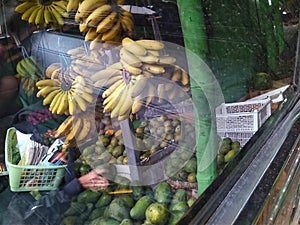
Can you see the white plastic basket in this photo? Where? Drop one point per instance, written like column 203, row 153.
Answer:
column 241, row 120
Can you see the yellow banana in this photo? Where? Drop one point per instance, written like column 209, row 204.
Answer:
column 131, row 69
column 126, row 13
column 56, row 15
column 46, row 90
column 139, row 86
column 24, row 6
column 25, row 16
column 83, row 26
column 122, row 101
column 72, row 5
column 57, row 103
column 133, row 46
column 166, row 60
column 64, row 127
column 77, row 125
column 176, row 76
column 111, row 101
column 64, row 105
column 98, row 15
column 148, row 59
column 50, row 97
column 39, row 19
column 33, row 15
column 48, row 15
column 72, row 104
column 153, row 52
column 130, row 58
column 48, row 82
column 113, row 33
column 51, row 68
column 125, row 109
column 107, row 23
column 61, row 8
column 155, row 69
column 137, row 105
column 112, row 88
column 151, row 44
column 91, row 34
column 86, row 129
column 127, row 24
column 104, row 74
column 184, row 77
column 79, row 100
column 108, row 82
column 86, row 7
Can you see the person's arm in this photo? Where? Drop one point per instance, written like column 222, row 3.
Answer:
column 48, row 209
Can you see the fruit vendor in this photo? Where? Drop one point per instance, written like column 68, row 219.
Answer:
column 25, row 208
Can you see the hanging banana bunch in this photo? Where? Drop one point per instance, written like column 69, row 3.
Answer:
column 130, row 82
column 64, row 93
column 76, row 128
column 102, row 20
column 44, row 13
column 29, row 71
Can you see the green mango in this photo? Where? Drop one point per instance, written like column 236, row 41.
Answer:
column 118, row 210
column 97, row 212
column 162, row 192
column 139, row 209
column 104, row 221
column 75, row 208
column 88, row 196
column 126, row 222
column 104, row 200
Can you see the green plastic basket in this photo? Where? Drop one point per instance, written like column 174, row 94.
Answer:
column 29, row 177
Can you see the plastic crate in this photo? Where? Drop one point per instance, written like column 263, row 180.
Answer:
column 242, row 116
column 241, row 120
column 30, row 177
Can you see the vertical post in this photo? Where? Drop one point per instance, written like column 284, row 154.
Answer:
column 130, row 147
column 202, row 89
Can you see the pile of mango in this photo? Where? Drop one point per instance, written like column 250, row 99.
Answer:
column 144, row 205
column 228, row 149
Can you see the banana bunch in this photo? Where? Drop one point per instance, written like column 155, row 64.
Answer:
column 85, row 64
column 29, row 67
column 103, row 21
column 63, row 93
column 76, row 128
column 43, row 13
column 28, row 85
column 29, row 71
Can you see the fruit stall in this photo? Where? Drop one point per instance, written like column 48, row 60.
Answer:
column 193, row 111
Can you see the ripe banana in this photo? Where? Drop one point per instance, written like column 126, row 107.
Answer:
column 63, row 106
column 113, row 33
column 86, row 129
column 72, row 5
column 24, row 6
column 112, row 88
column 108, row 82
column 57, row 16
column 47, row 82
column 151, row 44
column 168, row 60
column 25, row 16
column 137, row 105
column 91, row 34
column 107, row 23
column 131, row 69
column 184, row 78
column 105, row 74
column 139, row 86
column 48, row 15
column 79, row 100
column 72, row 104
column 64, row 127
column 155, row 69
column 130, row 58
column 51, row 68
column 133, row 46
column 33, row 15
column 98, row 15
column 45, row 91
column 86, row 7
column 111, row 101
column 55, row 101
